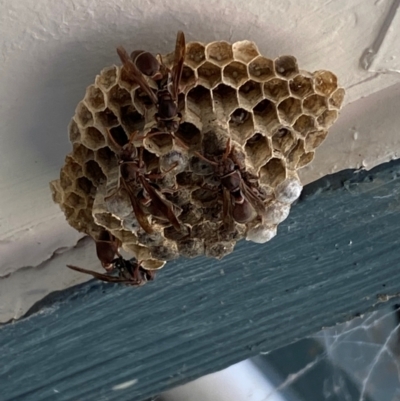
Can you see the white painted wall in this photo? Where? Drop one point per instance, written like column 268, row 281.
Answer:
column 51, row 50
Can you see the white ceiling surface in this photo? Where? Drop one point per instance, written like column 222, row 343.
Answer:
column 51, row 51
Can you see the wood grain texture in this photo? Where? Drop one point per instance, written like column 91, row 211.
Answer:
column 337, row 251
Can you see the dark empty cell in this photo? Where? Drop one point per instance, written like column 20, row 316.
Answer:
column 286, row 66
column 131, row 119
column 327, row 118
column 245, row 51
column 119, row 135
column 209, row 75
column 94, row 172
column 73, row 130
column 75, row 201
column 199, row 95
column 258, row 150
column 220, row 52
column 235, row 73
column 283, row 140
column 84, row 184
column 315, row 104
column 93, row 138
column 95, row 98
column 83, row 115
column 273, row 172
column 304, row 124
column 225, row 98
column 314, row 139
column 119, row 96
column 195, row 54
column 188, row 78
column 325, row 82
column 276, row 89
column 289, row 109
column 337, row 97
column 107, row 118
column 261, row 69
column 81, row 153
column 107, row 78
column 189, row 134
column 106, row 158
column 251, row 91
column 301, row 86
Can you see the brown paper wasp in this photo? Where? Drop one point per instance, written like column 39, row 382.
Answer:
column 241, row 200
column 130, row 272
column 135, row 179
column 106, row 248
column 165, row 98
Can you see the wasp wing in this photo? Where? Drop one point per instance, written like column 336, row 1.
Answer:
column 180, row 51
column 135, row 74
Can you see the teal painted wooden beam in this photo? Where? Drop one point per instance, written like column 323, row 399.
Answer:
column 333, row 258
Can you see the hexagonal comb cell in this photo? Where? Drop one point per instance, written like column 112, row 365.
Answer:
column 131, row 119
column 188, row 78
column 75, row 201
column 83, row 115
column 276, row 89
column 235, row 74
column 304, row 124
column 286, row 66
column 95, row 98
column 266, row 116
column 199, row 99
column 189, row 134
column 219, row 53
column 241, row 125
column 209, row 75
column 314, row 104
column 119, row 97
column 261, row 69
column 314, row 139
column 250, row 93
column 72, row 168
column 83, row 184
column 74, row 133
column 107, row 78
column 245, row 51
column 289, row 109
column 93, row 172
column 106, row 159
column 119, row 136
column 159, row 144
column 283, row 140
column 325, row 82
column 195, row 54
column 327, row 118
column 258, row 150
column 336, row 98
column 107, row 118
column 225, row 98
column 93, row 138
column 301, row 86
column 81, row 153
column 273, row 172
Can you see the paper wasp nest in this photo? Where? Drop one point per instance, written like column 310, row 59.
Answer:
column 275, row 115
